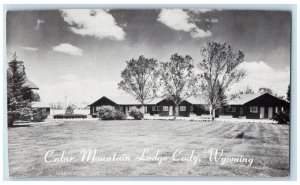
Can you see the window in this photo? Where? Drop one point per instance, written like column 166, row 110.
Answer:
column 154, row 108
column 192, row 108
column 253, row 109
column 182, row 108
column 165, row 108
column 231, row 109
column 276, row 109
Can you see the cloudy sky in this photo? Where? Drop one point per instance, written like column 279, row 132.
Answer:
column 80, row 53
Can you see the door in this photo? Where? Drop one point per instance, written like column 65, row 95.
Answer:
column 262, row 112
column 241, row 111
column 270, row 112
column 171, row 111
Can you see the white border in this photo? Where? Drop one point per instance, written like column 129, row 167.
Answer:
column 157, row 2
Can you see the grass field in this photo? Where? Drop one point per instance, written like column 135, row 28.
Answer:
column 267, row 144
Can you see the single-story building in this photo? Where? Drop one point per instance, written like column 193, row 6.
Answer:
column 158, row 106
column 122, row 103
column 41, row 106
column 254, row 106
column 190, row 106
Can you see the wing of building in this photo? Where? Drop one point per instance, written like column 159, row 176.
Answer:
column 162, row 107
column 254, row 106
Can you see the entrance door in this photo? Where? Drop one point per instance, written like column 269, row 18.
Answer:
column 262, row 112
column 270, row 112
column 171, row 111
column 241, row 111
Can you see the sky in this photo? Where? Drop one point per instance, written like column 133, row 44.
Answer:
column 79, row 54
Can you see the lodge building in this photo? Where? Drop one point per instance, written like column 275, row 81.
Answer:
column 159, row 107
column 249, row 106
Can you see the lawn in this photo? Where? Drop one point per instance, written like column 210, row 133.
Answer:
column 266, row 144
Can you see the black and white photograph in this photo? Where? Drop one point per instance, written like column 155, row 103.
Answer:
column 105, row 92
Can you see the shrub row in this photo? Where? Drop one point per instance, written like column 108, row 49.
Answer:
column 69, row 116
column 110, row 113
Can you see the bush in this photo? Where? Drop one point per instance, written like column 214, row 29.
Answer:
column 39, row 115
column 136, row 113
column 69, row 110
column 283, row 117
column 120, row 115
column 69, row 116
column 110, row 113
column 107, row 113
column 13, row 116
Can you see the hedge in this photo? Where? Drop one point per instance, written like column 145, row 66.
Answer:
column 69, row 116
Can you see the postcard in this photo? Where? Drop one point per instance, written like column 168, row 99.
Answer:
column 148, row 92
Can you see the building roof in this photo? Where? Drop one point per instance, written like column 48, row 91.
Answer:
column 129, row 100
column 30, row 85
column 244, row 98
column 39, row 105
column 196, row 100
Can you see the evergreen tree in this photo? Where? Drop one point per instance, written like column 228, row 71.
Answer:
column 17, row 107
column 288, row 93
column 69, row 110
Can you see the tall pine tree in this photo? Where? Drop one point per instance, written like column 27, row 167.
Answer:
column 18, row 108
column 288, row 93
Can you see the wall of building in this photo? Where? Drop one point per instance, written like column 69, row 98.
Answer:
column 200, row 110
column 171, row 105
column 99, row 103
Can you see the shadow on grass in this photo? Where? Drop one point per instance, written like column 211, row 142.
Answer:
column 16, row 126
column 244, row 137
column 248, row 137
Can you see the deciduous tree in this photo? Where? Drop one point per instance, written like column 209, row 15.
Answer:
column 140, row 79
column 265, row 90
column 220, row 69
column 178, row 79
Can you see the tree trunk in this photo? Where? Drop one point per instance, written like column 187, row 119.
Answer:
column 213, row 113
column 176, row 111
column 210, row 112
column 142, row 108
